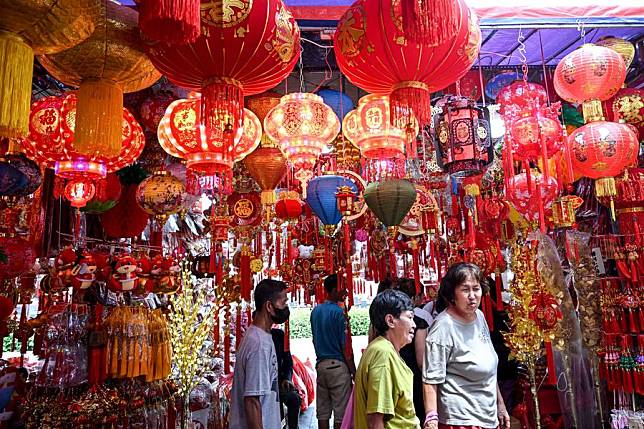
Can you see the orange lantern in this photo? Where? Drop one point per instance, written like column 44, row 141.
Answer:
column 267, row 166
column 590, row 75
column 302, row 125
column 369, row 128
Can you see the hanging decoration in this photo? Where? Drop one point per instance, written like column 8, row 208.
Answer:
column 60, row 25
column 19, row 176
column 462, row 136
column 627, row 106
column 207, row 152
column 104, row 66
column 369, row 128
column 531, row 194
column 302, row 125
column 175, row 22
column 590, row 75
column 372, row 51
column 429, row 22
column 160, row 195
column 267, row 166
column 321, row 197
column 469, row 85
column 244, row 49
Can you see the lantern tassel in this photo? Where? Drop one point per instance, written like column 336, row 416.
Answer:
column 222, row 105
column 175, row 22
column 605, row 187
column 16, row 71
column 244, row 262
column 99, row 118
column 429, row 22
column 410, row 102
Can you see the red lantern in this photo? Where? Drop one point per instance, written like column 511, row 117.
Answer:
column 126, row 219
column 536, row 136
column 545, row 311
column 20, row 256
column 589, row 75
column 469, row 85
column 247, row 49
column 372, row 51
column 532, row 194
column 288, row 206
column 521, row 98
column 79, row 192
column 153, row 109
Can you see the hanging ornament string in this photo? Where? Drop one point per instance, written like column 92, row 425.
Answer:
column 543, row 68
column 522, row 54
column 301, row 67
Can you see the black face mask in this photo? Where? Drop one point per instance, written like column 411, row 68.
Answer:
column 281, row 315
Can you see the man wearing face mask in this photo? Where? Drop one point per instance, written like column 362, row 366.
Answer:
column 255, row 393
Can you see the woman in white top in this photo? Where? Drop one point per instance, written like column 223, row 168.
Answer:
column 459, row 371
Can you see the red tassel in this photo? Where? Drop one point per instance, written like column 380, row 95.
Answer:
column 172, row 21
column 227, row 354
column 287, row 335
column 487, row 312
column 409, row 103
column 640, row 313
column 278, row 248
column 499, row 291
column 552, row 372
column 429, row 22
column 238, row 323
column 416, row 263
column 542, row 215
column 632, row 324
column 245, row 276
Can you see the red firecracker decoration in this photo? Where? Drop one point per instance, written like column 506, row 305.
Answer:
column 372, row 51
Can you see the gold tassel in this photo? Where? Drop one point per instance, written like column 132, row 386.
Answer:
column 99, row 118
column 16, row 70
column 592, row 111
column 605, row 187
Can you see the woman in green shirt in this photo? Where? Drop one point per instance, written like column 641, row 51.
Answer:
column 383, row 395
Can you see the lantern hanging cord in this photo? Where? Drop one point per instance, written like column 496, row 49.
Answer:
column 301, row 67
column 316, row 43
column 522, row 54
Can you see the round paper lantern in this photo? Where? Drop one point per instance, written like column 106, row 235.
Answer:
column 589, row 75
column 35, row 27
column 340, row 102
column 521, row 98
column 603, row 149
column 19, row 176
column 390, row 200
column 469, row 84
column 527, row 195
column 126, row 219
column 267, row 166
column 623, row 47
column 320, row 196
column 302, row 125
column 182, row 134
column 372, row 51
column 160, row 195
column 52, row 140
column 104, row 66
column 627, row 106
column 245, row 48
column 536, row 137
column 369, row 128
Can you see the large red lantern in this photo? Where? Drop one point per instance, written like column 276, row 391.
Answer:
column 589, row 75
column 245, row 48
column 182, row 134
column 372, row 51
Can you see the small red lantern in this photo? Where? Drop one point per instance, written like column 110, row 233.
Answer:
column 536, row 136
column 468, row 86
column 79, row 192
column 627, row 106
column 153, row 109
column 590, row 75
column 288, row 206
column 545, row 311
column 345, row 197
column 521, row 98
column 462, row 136
column 532, row 193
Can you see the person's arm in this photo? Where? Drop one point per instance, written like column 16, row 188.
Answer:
column 504, row 417
column 419, row 345
column 430, row 398
column 253, row 409
column 376, row 421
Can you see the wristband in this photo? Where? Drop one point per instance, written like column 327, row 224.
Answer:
column 432, row 416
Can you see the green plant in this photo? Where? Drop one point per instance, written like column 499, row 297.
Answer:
column 300, row 322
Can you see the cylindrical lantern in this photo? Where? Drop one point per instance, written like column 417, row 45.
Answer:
column 462, row 136
column 104, row 66
column 35, row 27
column 589, row 75
column 373, row 52
column 369, row 128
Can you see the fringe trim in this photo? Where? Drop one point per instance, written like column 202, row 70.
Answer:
column 16, row 70
column 430, row 22
column 99, row 119
column 175, row 22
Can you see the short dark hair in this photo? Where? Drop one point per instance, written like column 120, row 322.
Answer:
column 331, row 283
column 267, row 290
column 385, row 284
column 456, row 275
column 390, row 301
column 407, row 285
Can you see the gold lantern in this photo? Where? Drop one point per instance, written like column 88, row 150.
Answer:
column 110, row 62
column 34, row 27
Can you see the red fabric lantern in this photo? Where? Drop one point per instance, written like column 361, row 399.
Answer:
column 51, row 140
column 182, row 134
column 153, row 109
column 521, row 98
column 372, row 51
column 470, row 85
column 532, row 194
column 79, row 192
column 603, row 149
column 536, row 137
column 171, row 21
column 628, row 106
column 244, row 49
column 288, row 208
column 589, row 75
column 126, row 219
